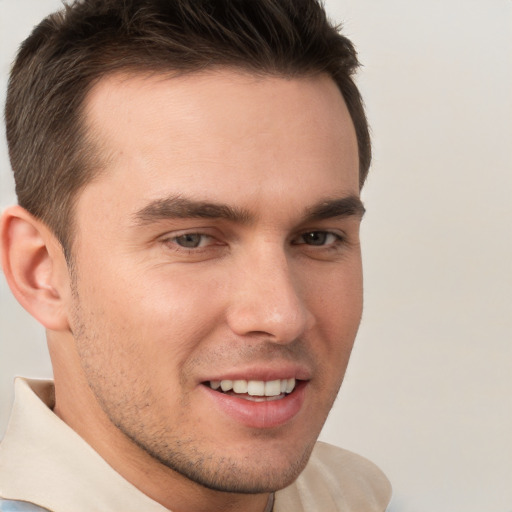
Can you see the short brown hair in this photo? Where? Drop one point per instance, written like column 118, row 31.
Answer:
column 51, row 153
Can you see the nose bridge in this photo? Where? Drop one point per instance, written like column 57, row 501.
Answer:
column 268, row 298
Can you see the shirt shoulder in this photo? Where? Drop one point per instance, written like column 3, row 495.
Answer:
column 336, row 480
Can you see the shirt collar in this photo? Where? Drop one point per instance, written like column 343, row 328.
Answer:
column 44, row 461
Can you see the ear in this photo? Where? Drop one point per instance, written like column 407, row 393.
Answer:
column 35, row 267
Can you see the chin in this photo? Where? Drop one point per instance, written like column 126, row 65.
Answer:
column 264, row 470
column 231, row 477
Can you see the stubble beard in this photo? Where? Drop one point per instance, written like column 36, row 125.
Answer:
column 190, row 458
column 220, row 473
column 184, row 456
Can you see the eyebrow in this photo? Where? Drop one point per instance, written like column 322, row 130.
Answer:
column 338, row 207
column 178, row 207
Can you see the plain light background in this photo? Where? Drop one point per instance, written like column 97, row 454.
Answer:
column 428, row 391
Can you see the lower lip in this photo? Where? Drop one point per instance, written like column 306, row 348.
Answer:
column 260, row 415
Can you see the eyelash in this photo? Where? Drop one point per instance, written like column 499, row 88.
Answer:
column 172, row 243
column 299, row 240
column 338, row 239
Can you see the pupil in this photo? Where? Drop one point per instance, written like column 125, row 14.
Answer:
column 315, row 238
column 189, row 240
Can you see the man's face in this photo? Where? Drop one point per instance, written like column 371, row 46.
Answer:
column 220, row 245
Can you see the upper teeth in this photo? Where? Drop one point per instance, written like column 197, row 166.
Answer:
column 255, row 387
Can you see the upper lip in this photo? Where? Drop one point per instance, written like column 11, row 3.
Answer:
column 267, row 372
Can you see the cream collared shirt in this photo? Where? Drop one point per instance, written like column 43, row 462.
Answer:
column 45, row 462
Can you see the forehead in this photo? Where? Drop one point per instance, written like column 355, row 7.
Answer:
column 220, row 132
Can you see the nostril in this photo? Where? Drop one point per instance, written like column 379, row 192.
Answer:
column 279, row 324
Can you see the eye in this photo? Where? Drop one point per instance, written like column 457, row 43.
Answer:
column 318, row 238
column 191, row 240
column 192, row 246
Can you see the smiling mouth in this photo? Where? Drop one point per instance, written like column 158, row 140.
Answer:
column 254, row 390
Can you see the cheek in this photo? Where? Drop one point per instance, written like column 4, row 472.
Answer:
column 149, row 326
column 338, row 308
column 337, row 297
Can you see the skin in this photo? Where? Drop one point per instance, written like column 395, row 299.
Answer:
column 142, row 322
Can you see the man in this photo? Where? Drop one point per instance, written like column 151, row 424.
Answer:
column 188, row 176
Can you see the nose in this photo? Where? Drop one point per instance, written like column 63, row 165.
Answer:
column 268, row 299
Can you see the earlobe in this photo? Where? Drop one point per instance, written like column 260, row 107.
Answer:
column 35, row 268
